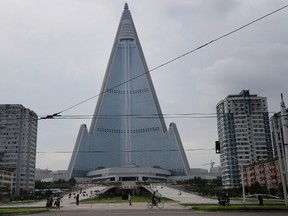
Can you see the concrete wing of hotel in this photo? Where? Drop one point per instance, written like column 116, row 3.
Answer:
column 128, row 127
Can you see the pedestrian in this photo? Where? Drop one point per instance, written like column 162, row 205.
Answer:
column 57, row 202
column 48, row 202
column 77, row 199
column 129, row 199
column 260, row 199
column 227, row 198
column 153, row 198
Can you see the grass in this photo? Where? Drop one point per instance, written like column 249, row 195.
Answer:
column 116, row 199
column 21, row 210
column 240, row 208
column 16, row 202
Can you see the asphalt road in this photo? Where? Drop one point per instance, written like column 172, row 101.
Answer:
column 150, row 212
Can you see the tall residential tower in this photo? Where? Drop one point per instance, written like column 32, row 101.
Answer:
column 128, row 129
column 244, row 134
column 18, row 139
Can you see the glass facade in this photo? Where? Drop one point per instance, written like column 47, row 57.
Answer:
column 128, row 126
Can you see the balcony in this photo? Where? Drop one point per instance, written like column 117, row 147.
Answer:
column 261, row 175
column 263, row 182
column 271, row 167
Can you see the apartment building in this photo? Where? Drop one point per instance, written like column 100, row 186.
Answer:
column 18, row 136
column 244, row 134
column 267, row 173
column 6, row 182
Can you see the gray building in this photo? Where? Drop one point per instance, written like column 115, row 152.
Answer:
column 244, row 134
column 18, row 136
column 128, row 129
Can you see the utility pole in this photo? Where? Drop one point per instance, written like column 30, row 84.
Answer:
column 218, row 151
column 284, row 173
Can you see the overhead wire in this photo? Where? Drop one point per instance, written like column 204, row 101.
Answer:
column 170, row 61
column 153, row 116
column 109, row 151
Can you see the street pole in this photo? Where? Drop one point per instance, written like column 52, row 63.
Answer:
column 217, row 147
column 242, row 182
column 243, row 186
column 284, row 120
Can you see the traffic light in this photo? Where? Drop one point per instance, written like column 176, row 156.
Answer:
column 217, row 147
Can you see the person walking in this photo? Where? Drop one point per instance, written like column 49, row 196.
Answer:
column 129, row 199
column 57, row 202
column 153, row 198
column 260, row 199
column 77, row 199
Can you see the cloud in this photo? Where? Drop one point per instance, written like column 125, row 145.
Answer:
column 54, row 55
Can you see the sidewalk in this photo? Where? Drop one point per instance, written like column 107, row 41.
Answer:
column 122, row 206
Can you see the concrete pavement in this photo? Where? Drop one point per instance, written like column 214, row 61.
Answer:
column 179, row 197
column 182, row 196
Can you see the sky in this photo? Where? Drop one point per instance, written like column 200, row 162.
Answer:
column 54, row 53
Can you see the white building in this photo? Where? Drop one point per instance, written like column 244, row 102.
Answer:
column 18, row 136
column 244, row 134
column 46, row 175
column 6, row 182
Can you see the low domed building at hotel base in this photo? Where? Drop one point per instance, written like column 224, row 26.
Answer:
column 128, row 139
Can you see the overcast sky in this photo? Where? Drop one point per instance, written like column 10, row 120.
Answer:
column 54, row 53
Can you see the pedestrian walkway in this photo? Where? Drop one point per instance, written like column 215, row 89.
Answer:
column 178, row 198
column 182, row 196
column 123, row 206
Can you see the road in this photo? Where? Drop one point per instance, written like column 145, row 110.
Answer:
column 69, row 207
column 150, row 212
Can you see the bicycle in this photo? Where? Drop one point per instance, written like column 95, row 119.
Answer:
column 157, row 203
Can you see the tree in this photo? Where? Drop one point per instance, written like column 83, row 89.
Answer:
column 256, row 188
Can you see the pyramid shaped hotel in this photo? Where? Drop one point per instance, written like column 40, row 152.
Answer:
column 128, row 139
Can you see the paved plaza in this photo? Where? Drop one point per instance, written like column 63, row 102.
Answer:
column 177, row 198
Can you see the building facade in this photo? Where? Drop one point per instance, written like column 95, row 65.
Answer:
column 128, row 127
column 18, row 138
column 267, row 173
column 244, row 134
column 45, row 175
column 6, row 182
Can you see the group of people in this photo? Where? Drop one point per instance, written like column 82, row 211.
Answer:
column 155, row 198
column 223, row 199
column 76, row 196
column 53, row 201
